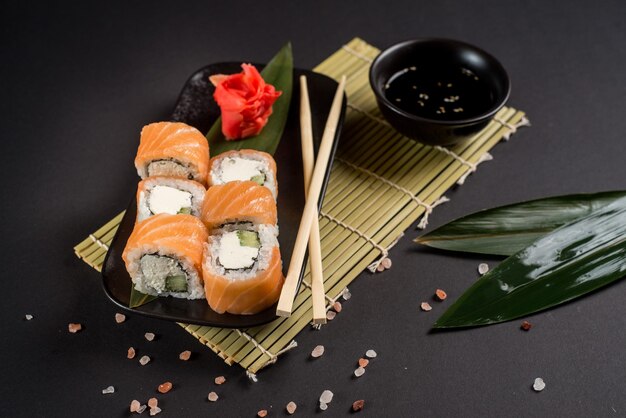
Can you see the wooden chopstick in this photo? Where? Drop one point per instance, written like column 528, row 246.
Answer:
column 315, row 250
column 285, row 303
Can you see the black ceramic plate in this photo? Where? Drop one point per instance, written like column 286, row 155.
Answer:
column 196, row 107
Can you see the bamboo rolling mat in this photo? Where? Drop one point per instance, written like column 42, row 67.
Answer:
column 381, row 183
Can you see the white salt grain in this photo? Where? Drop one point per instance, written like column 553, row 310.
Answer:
column 539, row 385
column 141, row 409
column 317, row 351
column 359, row 372
column 326, row 397
column 323, row 406
column 291, row 407
column 154, row 411
column 213, row 397
column 28, row 317
column 483, row 268
column 370, row 354
column 108, row 390
column 346, row 294
column 149, row 336
column 144, row 360
column 425, row 306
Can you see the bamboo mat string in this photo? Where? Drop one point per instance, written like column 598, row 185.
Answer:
column 369, row 115
column 472, row 167
column 512, row 127
column 357, row 54
column 273, row 357
column 308, row 286
column 384, row 252
column 428, row 209
column 98, row 242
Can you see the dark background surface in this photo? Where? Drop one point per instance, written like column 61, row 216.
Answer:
column 78, row 82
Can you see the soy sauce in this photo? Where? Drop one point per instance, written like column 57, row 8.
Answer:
column 436, row 93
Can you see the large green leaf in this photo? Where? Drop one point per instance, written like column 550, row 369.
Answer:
column 279, row 73
column 508, row 229
column 577, row 258
column 137, row 298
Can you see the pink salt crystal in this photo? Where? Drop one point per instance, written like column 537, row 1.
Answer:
column 360, row 371
column 74, row 328
column 185, row 355
column 317, row 351
column 131, row 353
column 291, row 407
column 144, row 360
column 426, row 306
column 358, row 405
column 119, row 318
column 213, row 397
column 220, row 380
column 149, row 336
column 330, row 315
column 337, row 306
column 386, row 263
column 152, row 402
column 380, row 267
column 134, row 405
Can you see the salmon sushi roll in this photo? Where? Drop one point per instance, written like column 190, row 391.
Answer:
column 172, row 149
column 242, row 269
column 168, row 195
column 241, row 165
column 238, row 202
column 163, row 256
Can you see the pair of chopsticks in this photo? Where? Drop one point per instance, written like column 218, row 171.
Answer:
column 309, row 228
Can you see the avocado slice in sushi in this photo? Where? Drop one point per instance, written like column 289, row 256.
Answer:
column 248, row 239
column 176, row 283
column 186, row 211
column 259, row 179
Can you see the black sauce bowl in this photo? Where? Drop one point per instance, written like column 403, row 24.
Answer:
column 439, row 54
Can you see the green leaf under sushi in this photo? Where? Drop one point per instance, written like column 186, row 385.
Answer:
column 506, row 230
column 137, row 298
column 279, row 73
column 575, row 259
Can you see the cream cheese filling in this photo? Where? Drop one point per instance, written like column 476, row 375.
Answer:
column 232, row 255
column 165, row 199
column 234, row 169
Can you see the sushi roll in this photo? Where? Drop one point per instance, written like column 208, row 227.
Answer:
column 245, row 164
column 163, row 256
column 238, row 202
column 242, row 269
column 172, row 149
column 168, row 195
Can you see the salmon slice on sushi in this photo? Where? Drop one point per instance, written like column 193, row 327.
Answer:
column 172, row 149
column 163, row 256
column 238, row 202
